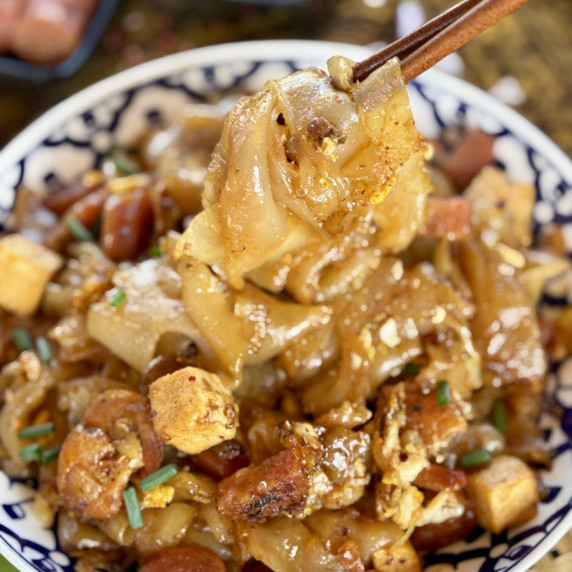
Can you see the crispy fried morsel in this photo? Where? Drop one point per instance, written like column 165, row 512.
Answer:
column 184, row 559
column 91, row 474
column 280, row 483
column 118, row 409
column 114, row 439
column 436, row 424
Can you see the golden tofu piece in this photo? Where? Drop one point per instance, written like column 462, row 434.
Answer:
column 504, row 494
column 26, row 269
column 193, row 410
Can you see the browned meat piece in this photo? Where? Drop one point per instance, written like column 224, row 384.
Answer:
column 280, row 484
column 436, row 424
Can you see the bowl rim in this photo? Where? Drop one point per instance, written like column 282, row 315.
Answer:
column 265, row 50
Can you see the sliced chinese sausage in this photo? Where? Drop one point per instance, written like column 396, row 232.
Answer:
column 127, row 224
column 433, row 536
column 184, row 559
column 222, row 460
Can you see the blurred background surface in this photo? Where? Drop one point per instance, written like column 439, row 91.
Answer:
column 524, row 59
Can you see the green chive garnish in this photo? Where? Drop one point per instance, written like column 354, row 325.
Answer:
column 124, row 164
column 22, row 339
column 78, row 229
column 443, row 393
column 31, row 452
column 411, row 369
column 132, row 507
column 475, row 458
column 159, row 477
column 50, row 455
column 155, row 251
column 44, row 350
column 118, row 298
column 33, row 431
column 499, row 416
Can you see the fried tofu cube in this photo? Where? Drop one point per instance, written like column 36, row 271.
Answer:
column 27, row 267
column 193, row 410
column 504, row 494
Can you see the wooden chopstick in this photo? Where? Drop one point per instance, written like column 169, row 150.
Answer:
column 439, row 37
column 408, row 44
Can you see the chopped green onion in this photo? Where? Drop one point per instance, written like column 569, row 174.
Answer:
column 96, row 228
column 159, row 477
column 499, row 416
column 132, row 507
column 124, row 164
column 44, row 350
column 39, row 430
column 443, row 393
column 411, row 369
column 118, row 298
column 155, row 251
column 22, row 339
column 31, row 452
column 475, row 458
column 50, row 455
column 78, row 229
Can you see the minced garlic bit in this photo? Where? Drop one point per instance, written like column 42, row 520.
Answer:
column 388, row 333
column 439, row 315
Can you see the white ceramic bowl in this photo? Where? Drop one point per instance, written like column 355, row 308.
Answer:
column 73, row 136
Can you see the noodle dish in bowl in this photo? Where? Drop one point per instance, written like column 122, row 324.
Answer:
column 255, row 316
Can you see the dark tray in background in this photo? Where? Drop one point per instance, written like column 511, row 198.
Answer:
column 12, row 66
